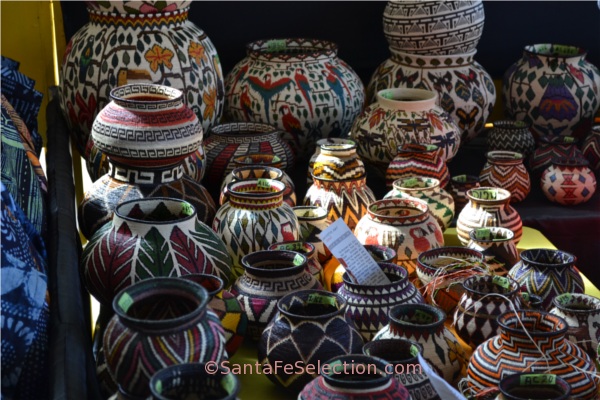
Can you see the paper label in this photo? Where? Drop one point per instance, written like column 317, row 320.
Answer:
column 315, row 298
column 460, row 178
column 352, row 255
column 482, row 233
column 485, row 194
column 525, row 296
column 187, row 209
column 263, row 183
column 568, row 139
column 276, row 45
column 537, row 379
column 423, row 317
column 158, row 386
column 414, row 350
column 520, row 124
column 501, row 281
column 298, row 259
column 410, row 183
column 431, row 147
column 125, row 301
column 386, row 95
column 296, row 246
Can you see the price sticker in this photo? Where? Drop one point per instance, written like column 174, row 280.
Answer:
column 520, row 124
column 298, row 259
column 568, row 139
column 158, row 386
column 431, row 147
column 315, row 298
column 423, row 317
column 228, row 383
column 125, row 301
column 501, row 281
column 565, row 298
column 410, row 182
column 486, row 194
column 276, row 45
column 386, row 94
column 187, row 209
column 414, row 350
column 483, row 234
column 460, row 178
column 525, row 296
column 537, row 379
column 264, row 183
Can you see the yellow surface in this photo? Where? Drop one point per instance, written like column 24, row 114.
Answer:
column 258, row 386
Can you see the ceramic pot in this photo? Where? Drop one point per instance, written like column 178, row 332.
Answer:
column 400, row 116
column 441, row 204
column 533, row 386
column 424, row 324
column 227, row 307
column 268, row 276
column 497, row 246
column 464, row 88
column 329, row 141
column 255, row 172
column 310, row 328
column 487, row 207
column 441, row 271
column 159, row 322
column 404, row 225
column 369, row 306
column 254, row 218
column 458, row 188
column 313, row 266
column 547, row 273
column 151, row 238
column 354, row 377
column 313, row 220
column 145, row 158
column 125, row 43
column 591, row 148
column 413, row 159
column 511, row 135
column 505, row 169
column 402, row 356
column 553, row 88
column 347, row 199
column 298, row 85
column 191, row 380
column 532, row 341
column 431, row 27
column 226, row 141
column 582, row 313
column 484, row 299
column 551, row 148
column 338, row 161
column 568, row 181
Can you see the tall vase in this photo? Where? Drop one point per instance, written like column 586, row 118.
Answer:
column 404, row 225
column 401, row 116
column 424, row 324
column 464, row 88
column 124, row 43
column 511, row 135
column 440, row 203
column 497, row 246
column 338, row 161
column 534, row 342
column 553, row 88
column 306, row 320
column 547, row 273
column 145, row 157
column 505, row 169
column 568, row 181
column 354, row 377
column 313, row 220
column 150, row 238
column 254, row 218
column 487, row 207
column 159, row 322
column 370, row 305
column 402, row 355
column 414, row 159
column 299, row 85
column 268, row 276
column 346, row 199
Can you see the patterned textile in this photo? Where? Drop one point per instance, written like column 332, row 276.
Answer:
column 23, row 305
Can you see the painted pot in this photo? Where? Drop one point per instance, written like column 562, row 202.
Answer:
column 547, row 273
column 354, row 377
column 458, row 188
column 404, row 225
column 517, row 348
column 414, row 159
column 505, row 169
column 254, row 218
column 255, row 172
column 511, row 135
column 568, row 181
column 347, row 199
column 369, row 305
column 313, row 266
column 306, row 320
column 487, row 207
column 313, row 220
column 484, row 299
column 400, row 116
column 424, row 324
column 268, row 276
column 497, row 246
column 298, row 85
column 591, row 148
column 338, row 161
column 151, row 238
column 553, row 88
column 465, row 90
column 127, row 43
column 431, row 27
column 157, row 323
column 441, row 204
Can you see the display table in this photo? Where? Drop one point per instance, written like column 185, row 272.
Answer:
column 255, row 385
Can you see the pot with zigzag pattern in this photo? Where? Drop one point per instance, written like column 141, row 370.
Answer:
column 532, row 341
column 338, row 161
column 505, row 169
column 157, row 323
column 415, row 159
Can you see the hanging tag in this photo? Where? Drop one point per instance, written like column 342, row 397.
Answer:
column 125, row 301
column 315, row 298
column 276, row 45
column 537, row 379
